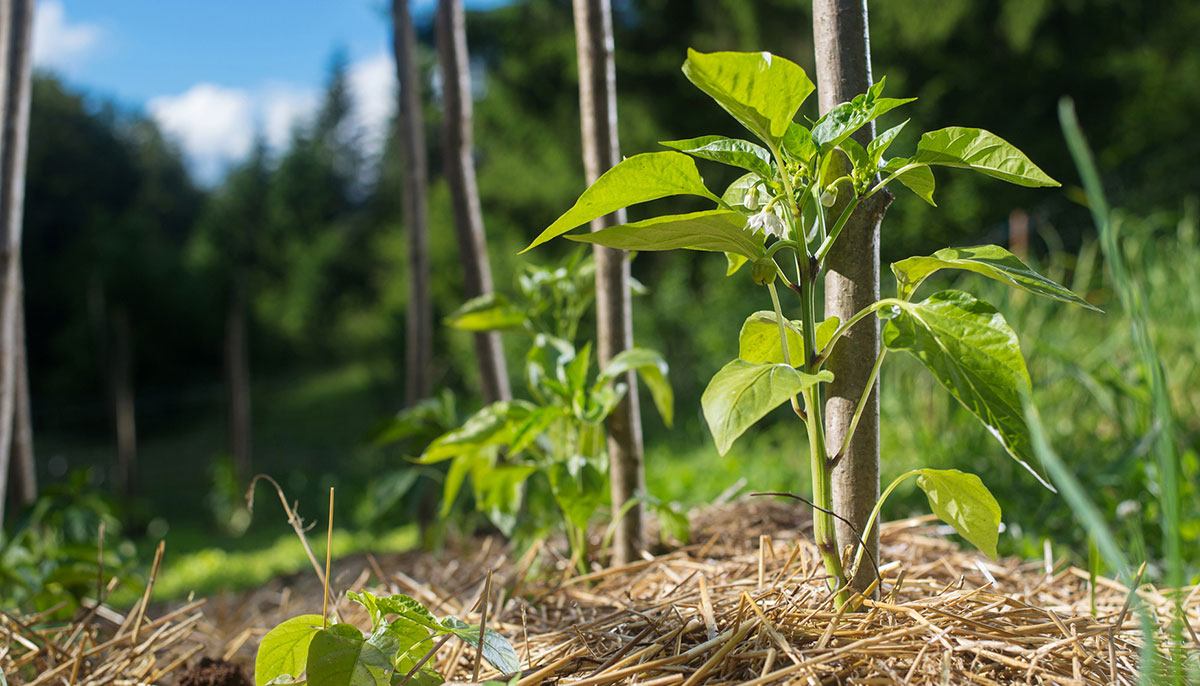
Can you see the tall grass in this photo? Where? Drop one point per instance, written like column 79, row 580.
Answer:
column 1162, row 438
column 1101, row 406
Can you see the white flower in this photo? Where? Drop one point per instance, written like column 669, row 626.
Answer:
column 767, row 222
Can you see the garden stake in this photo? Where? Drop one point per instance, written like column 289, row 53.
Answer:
column 328, row 555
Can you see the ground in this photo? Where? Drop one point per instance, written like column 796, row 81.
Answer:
column 746, row 602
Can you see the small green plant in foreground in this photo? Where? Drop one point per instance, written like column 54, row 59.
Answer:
column 787, row 204
column 395, row 651
column 533, row 463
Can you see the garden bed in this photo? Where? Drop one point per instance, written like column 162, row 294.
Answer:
column 747, row 603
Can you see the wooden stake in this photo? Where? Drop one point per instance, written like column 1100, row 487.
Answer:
column 328, row 555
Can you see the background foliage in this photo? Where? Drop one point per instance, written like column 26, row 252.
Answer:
column 114, row 220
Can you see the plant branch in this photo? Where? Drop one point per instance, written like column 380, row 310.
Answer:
column 846, row 326
column 831, row 513
column 862, row 404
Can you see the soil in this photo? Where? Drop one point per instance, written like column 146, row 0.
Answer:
column 214, row 672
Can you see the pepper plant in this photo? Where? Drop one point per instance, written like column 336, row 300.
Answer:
column 779, row 218
column 537, row 462
column 404, row 634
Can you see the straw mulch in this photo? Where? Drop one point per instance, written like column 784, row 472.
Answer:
column 100, row 646
column 752, row 607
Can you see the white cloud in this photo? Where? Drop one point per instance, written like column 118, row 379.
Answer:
column 280, row 108
column 216, row 125
column 58, row 44
column 213, row 124
column 373, row 89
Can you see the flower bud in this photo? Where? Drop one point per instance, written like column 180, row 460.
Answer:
column 829, row 196
column 763, row 271
column 750, row 202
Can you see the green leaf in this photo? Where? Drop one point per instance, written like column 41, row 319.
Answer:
column 488, row 312
column 284, row 650
column 762, row 91
column 535, row 425
column 424, row 676
column 341, row 656
column 983, row 151
column 759, row 342
column 673, row 522
column 883, row 141
column 842, row 121
column 652, row 369
column 732, row 151
column 916, row 178
column 991, row 261
column 634, row 180
column 579, row 488
column 574, row 374
column 971, row 350
column 409, row 642
column 496, row 649
column 499, row 490
column 545, row 357
column 742, row 393
column 759, row 339
column 798, row 142
column 492, row 425
column 460, row 467
column 962, row 501
column 408, row 608
column 735, row 263
column 712, row 230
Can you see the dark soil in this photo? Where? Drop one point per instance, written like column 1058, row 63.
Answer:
column 210, row 672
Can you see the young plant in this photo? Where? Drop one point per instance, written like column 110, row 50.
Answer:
column 783, row 206
column 544, row 458
column 396, row 651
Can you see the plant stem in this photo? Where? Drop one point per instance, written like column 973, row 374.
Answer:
column 862, row 403
column 824, row 532
column 783, row 343
column 866, row 532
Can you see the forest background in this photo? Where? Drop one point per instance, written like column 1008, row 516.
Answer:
column 131, row 265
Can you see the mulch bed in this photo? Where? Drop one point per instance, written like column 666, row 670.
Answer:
column 738, row 606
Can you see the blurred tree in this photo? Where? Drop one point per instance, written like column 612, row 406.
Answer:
column 106, row 233
column 459, row 154
column 614, row 310
column 418, row 368
column 16, row 31
column 229, row 244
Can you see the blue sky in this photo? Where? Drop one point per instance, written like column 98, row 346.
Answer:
column 215, row 72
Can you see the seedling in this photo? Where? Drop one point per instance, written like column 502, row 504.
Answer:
column 533, row 463
column 403, row 635
column 786, row 205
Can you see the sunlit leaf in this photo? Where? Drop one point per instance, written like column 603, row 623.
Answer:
column 762, row 91
column 742, row 393
column 284, row 649
column 341, row 656
column 652, row 369
column 991, row 261
column 976, row 356
column 983, row 151
column 634, row 180
column 712, row 230
column 496, row 648
column 488, row 312
column 842, row 121
column 962, row 501
column 732, row 151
